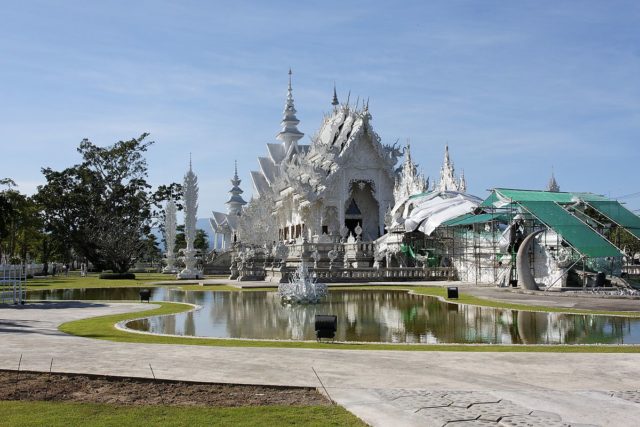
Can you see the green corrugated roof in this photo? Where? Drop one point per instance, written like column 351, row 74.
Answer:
column 455, row 220
column 618, row 214
column 583, row 238
column 538, row 196
column 535, row 196
column 468, row 219
column 489, row 201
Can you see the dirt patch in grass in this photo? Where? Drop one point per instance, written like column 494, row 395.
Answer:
column 140, row 391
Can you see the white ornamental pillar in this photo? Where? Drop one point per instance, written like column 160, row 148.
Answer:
column 190, row 214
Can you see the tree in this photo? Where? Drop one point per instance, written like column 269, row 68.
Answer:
column 20, row 225
column 150, row 250
column 201, row 241
column 102, row 208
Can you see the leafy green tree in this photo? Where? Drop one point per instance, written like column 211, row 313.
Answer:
column 150, row 250
column 102, row 208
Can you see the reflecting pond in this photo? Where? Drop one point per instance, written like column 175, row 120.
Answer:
column 363, row 315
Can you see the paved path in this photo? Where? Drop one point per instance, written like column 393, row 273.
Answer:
column 385, row 388
column 555, row 299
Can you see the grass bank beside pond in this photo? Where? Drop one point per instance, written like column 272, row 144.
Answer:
column 103, row 327
column 21, row 413
column 74, row 281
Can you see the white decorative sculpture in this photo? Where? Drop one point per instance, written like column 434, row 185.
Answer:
column 333, row 254
column 302, row 288
column 190, row 211
column 315, row 256
column 358, row 231
column 170, row 236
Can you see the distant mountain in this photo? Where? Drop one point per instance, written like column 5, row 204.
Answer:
column 201, row 224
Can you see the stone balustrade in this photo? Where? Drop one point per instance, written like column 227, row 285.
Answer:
column 339, row 274
column 354, row 263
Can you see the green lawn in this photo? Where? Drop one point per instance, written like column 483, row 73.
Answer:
column 22, row 413
column 103, row 327
column 74, row 281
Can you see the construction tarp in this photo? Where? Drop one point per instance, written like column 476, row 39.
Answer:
column 618, row 214
column 579, row 235
column 428, row 214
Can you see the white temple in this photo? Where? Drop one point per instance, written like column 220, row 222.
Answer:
column 225, row 225
column 345, row 180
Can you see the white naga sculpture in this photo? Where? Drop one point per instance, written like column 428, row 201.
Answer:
column 170, row 224
column 190, row 211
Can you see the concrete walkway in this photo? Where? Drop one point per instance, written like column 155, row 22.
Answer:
column 384, row 388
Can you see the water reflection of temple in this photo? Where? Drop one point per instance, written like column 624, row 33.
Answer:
column 382, row 316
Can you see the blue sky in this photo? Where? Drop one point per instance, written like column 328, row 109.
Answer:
column 514, row 87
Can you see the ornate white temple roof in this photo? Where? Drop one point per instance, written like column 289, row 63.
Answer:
column 225, row 222
column 309, row 168
column 448, row 180
column 235, row 202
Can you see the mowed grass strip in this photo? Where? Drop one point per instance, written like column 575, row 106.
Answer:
column 142, row 280
column 75, row 281
column 21, row 413
column 103, row 327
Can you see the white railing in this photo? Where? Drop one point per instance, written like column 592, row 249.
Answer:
column 631, row 269
column 13, row 283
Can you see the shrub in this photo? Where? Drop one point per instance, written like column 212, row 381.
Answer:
column 117, row 276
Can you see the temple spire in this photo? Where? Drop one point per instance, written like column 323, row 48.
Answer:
column 409, row 181
column 235, row 202
column 553, row 184
column 334, row 101
column 448, row 180
column 462, row 186
column 289, row 134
